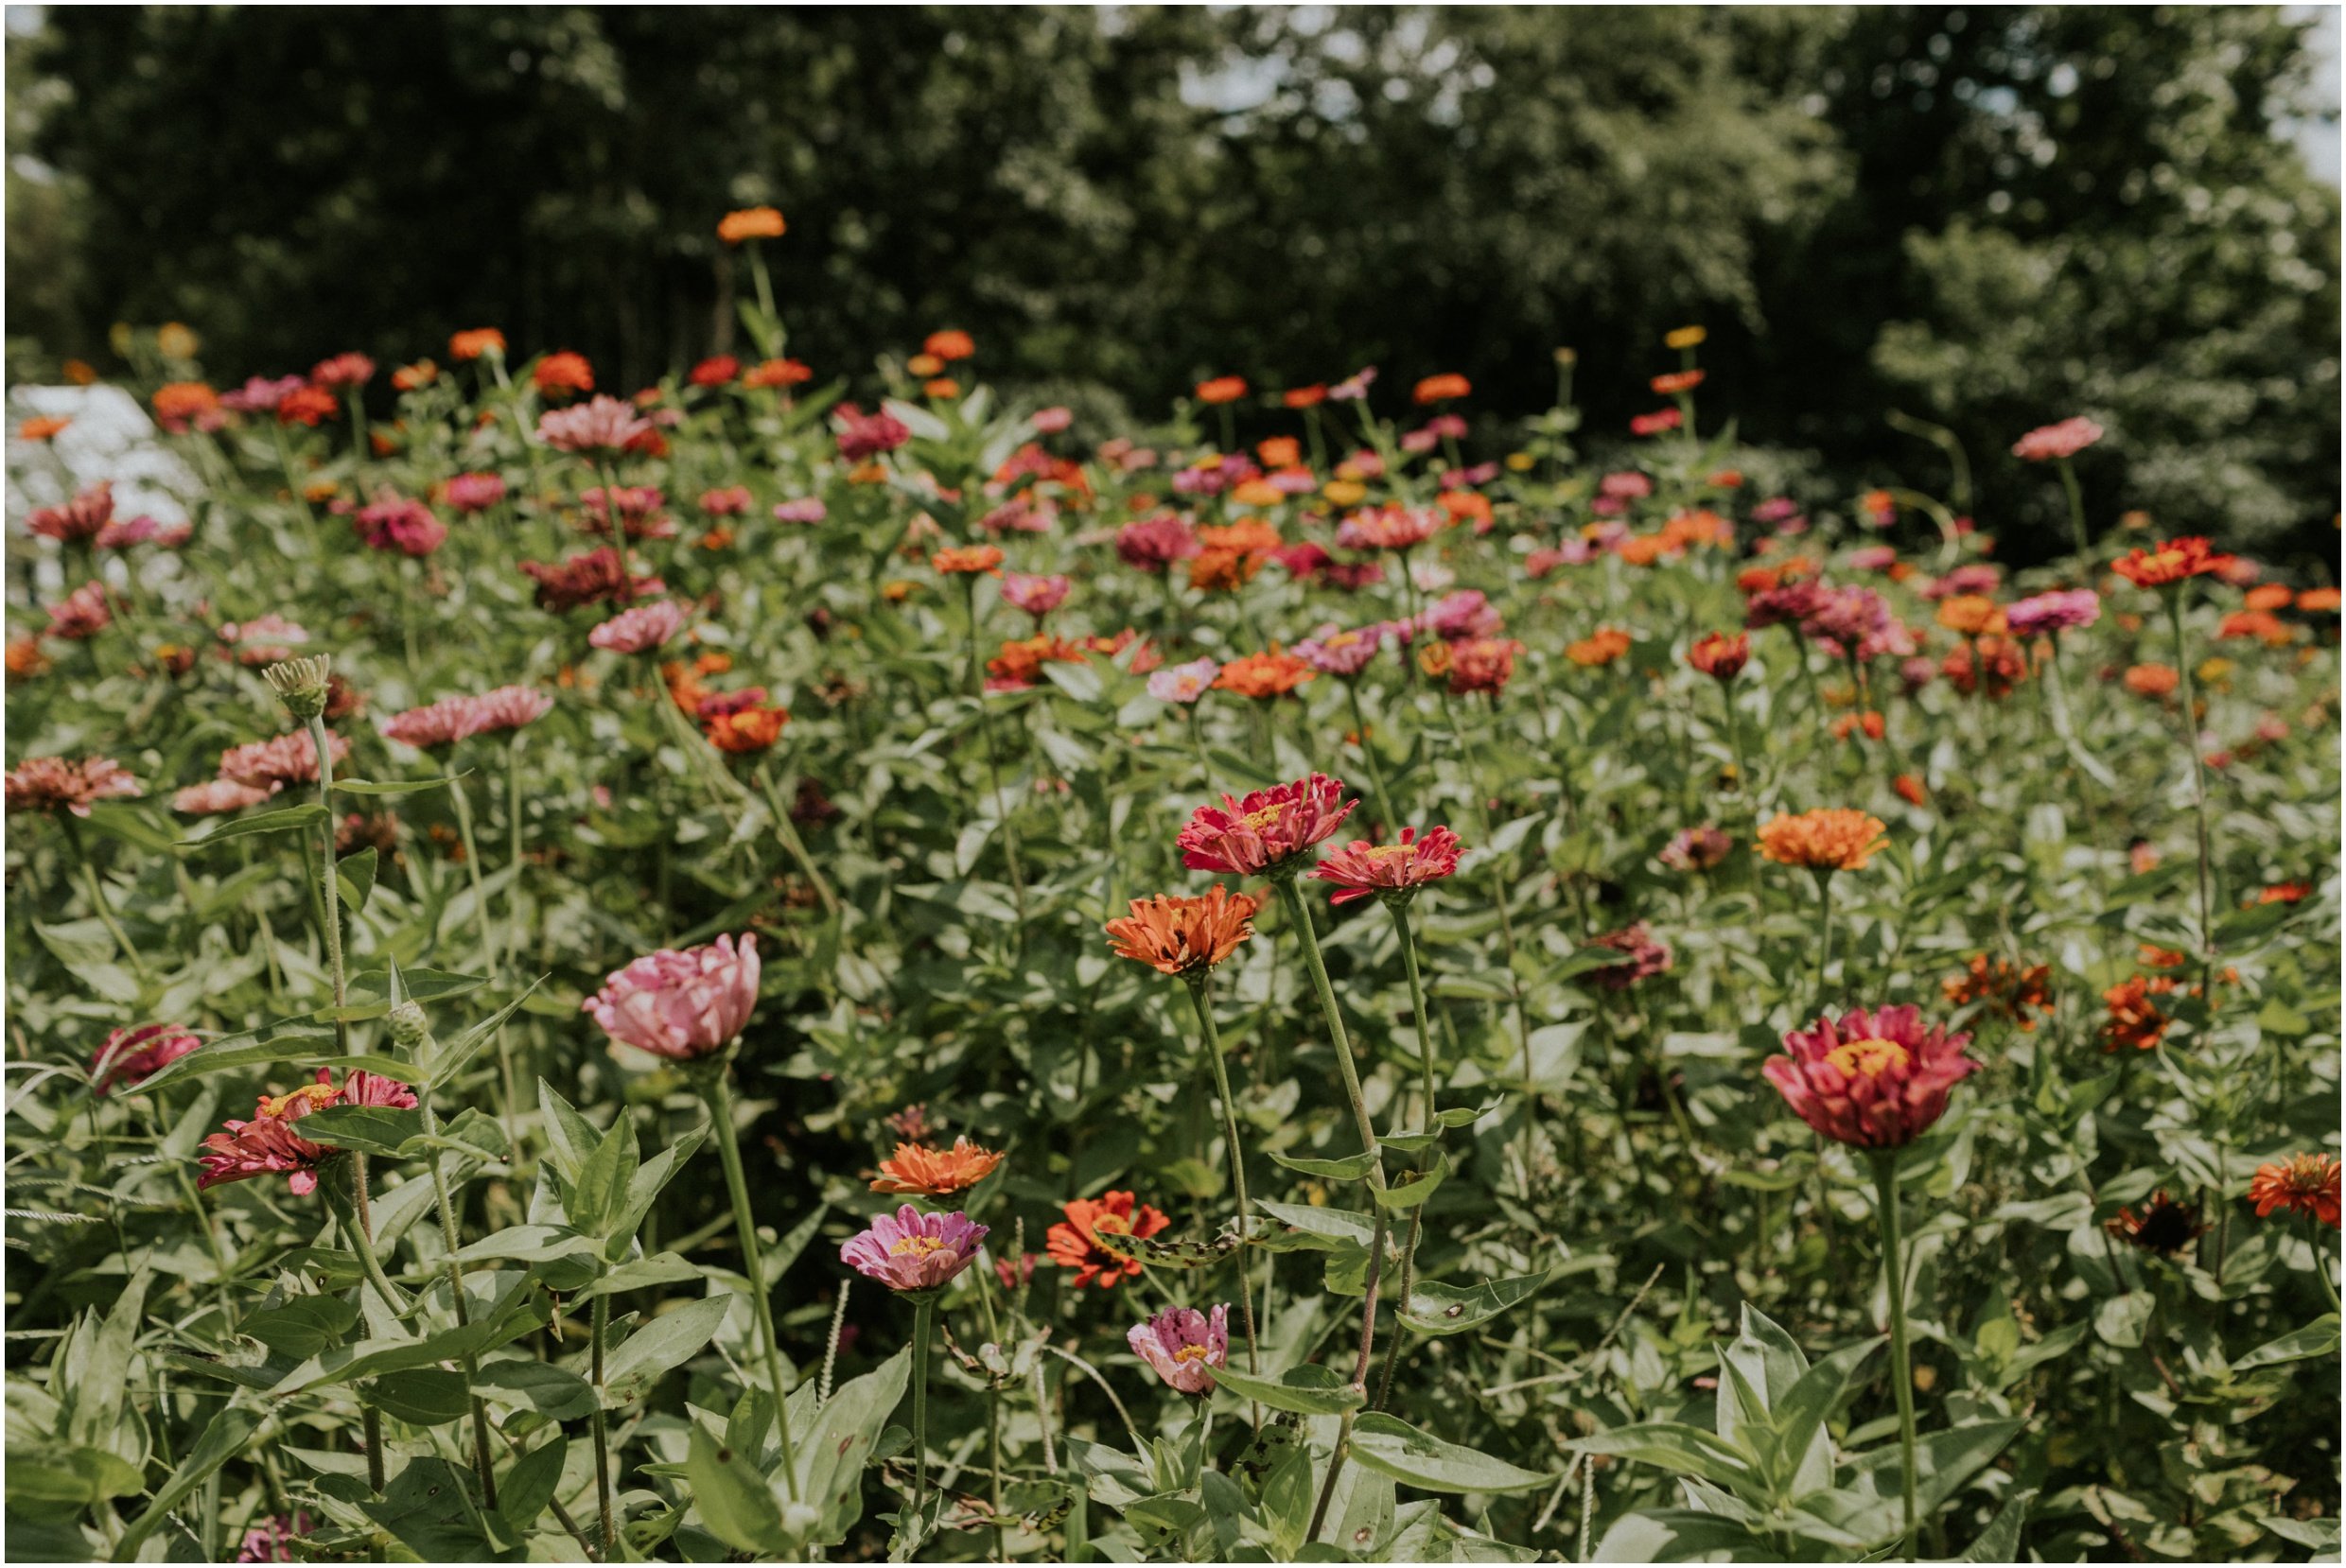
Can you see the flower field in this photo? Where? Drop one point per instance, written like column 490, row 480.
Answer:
column 799, row 965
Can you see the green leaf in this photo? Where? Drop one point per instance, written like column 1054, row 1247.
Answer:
column 554, row 1392
column 1350, row 1168
column 394, row 787
column 1413, row 1187
column 1314, row 1228
column 368, row 1129
column 1393, row 1447
column 2001, row 1540
column 839, row 1441
column 303, row 1326
column 667, row 1341
column 733, row 1498
column 1307, row 1390
column 1439, row 1309
column 287, row 819
column 2317, row 1338
column 355, row 875
column 425, row 1396
column 224, row 1437
column 531, row 1483
column 1676, row 1447
column 1684, row 1535
column 430, row 1508
column 1805, row 1452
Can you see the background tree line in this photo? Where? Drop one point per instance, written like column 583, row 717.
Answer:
column 1984, row 217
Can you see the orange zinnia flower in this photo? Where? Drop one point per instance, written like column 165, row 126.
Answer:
column 2263, row 625
column 478, row 344
column 751, row 729
column 2270, row 596
column 1972, row 614
column 2171, row 562
column 951, row 344
column 2319, row 601
column 778, row 373
column 2014, row 992
column 2151, row 680
column 1720, row 656
column 2134, row 1019
column 1305, row 397
column 970, row 559
column 1677, row 381
column 1828, row 839
column 2302, row 1184
column 1608, row 644
column 1075, row 1243
column 1222, row 389
column 917, row 1170
column 1441, row 389
column 1263, row 675
column 1185, row 936
column 42, row 427
column 1910, row 790
column 750, row 223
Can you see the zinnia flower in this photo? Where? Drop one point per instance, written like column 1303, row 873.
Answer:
column 267, row 1146
column 80, row 518
column 862, row 436
column 218, row 798
column 1184, row 1346
column 681, row 1005
column 480, row 342
column 599, row 426
column 474, row 492
column 1692, row 849
column 1075, row 1241
column 909, row 1250
column 1646, row 957
column 1391, row 527
column 1394, row 871
column 639, row 629
column 1871, row 1080
column 1606, row 644
column 2134, row 1019
column 432, row 726
column 565, row 372
column 588, row 579
column 2170, row 562
column 343, row 370
column 1037, row 596
column 2164, row 1226
column 507, row 708
column 1828, row 840
column 1440, row 389
column 969, row 560
column 932, row 1173
column 1481, row 664
column 1268, row 831
column 1185, row 936
column 949, row 345
column 1264, row 676
column 82, row 613
column 271, row 1540
column 45, row 783
column 1720, row 656
column 2016, row 993
column 750, row 223
column 286, row 760
column 2302, row 1184
column 2065, row 440
column 1183, row 683
column 2061, row 610
column 1222, row 389
column 131, row 1056
column 396, row 523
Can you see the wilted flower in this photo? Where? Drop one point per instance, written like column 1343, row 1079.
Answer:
column 1871, row 1080
column 131, row 1057
column 1827, row 840
column 1692, row 849
column 1185, row 936
column 1268, row 831
column 909, row 1250
column 1394, row 871
column 639, row 629
column 2302, row 1184
column 1184, row 1346
column 45, row 783
column 681, row 1005
column 932, row 1173
column 1645, row 957
column 1075, row 1241
column 2165, row 1227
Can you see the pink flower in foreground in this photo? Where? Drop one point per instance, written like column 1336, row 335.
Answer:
column 639, row 629
column 2059, row 611
column 287, row 759
column 267, row 1146
column 910, row 1250
column 45, row 783
column 1037, row 596
column 604, row 423
column 681, row 1005
column 507, row 708
column 2065, row 440
column 218, row 797
column 1389, row 870
column 471, row 493
column 82, row 613
column 271, row 1540
column 1875, row 1080
column 1184, row 1346
column 131, row 1057
column 432, row 726
column 82, row 518
column 1183, row 683
column 1155, row 543
column 1267, row 831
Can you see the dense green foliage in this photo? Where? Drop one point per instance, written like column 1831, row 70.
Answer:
column 1979, row 216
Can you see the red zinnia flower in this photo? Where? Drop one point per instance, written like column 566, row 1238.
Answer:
column 2171, row 562
column 2302, row 1184
column 1075, row 1243
column 1720, row 656
column 1267, row 832
column 564, row 373
column 1875, row 1080
column 1392, row 871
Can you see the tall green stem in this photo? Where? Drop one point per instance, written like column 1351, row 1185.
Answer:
column 1902, row 1369
column 512, row 833
column 1824, row 935
column 98, row 897
column 1200, row 983
column 472, row 867
column 716, row 1090
column 994, row 761
column 329, row 892
column 598, row 1333
column 923, row 1307
column 1426, row 1065
column 2076, row 506
column 2198, row 796
column 450, row 1242
column 1368, row 754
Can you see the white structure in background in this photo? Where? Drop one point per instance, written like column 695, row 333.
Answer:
column 110, row 438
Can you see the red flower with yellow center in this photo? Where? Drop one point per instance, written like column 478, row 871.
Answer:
column 1267, row 831
column 1389, row 870
column 1075, row 1243
column 2170, row 562
column 916, row 1169
column 2302, row 1184
column 1720, row 656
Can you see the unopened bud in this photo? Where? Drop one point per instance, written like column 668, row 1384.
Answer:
column 303, row 685
column 409, row 1027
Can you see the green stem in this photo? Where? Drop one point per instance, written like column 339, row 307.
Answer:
column 716, row 1091
column 2076, row 506
column 472, row 867
column 597, row 1334
column 1368, row 754
column 513, row 829
column 1901, row 1370
column 450, row 1242
column 98, row 897
column 329, row 894
column 2199, row 800
column 1200, row 983
column 922, row 1309
column 1824, row 935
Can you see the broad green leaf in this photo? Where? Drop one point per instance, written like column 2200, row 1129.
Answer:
column 303, row 1326
column 1439, row 1309
column 1393, row 1447
column 2317, row 1338
column 424, row 1396
column 531, row 1483
column 733, row 1500
column 1350, row 1168
column 383, row 788
column 369, row 1129
column 286, row 819
column 667, row 1341
column 223, row 1437
column 1307, row 1390
column 1413, row 1187
column 1673, row 1446
column 839, row 1442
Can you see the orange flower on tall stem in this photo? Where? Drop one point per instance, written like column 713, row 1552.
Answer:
column 917, row 1170
column 2302, row 1184
column 2170, row 562
column 1185, row 936
column 969, row 559
column 1264, row 676
column 1830, row 839
column 1075, row 1241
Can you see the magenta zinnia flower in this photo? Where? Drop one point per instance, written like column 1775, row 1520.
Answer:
column 396, row 523
column 1267, row 831
column 267, row 1146
column 862, row 435
column 681, row 1005
column 1037, row 596
column 1333, row 650
column 639, row 629
column 433, row 726
column 602, row 424
column 1184, row 1346
column 1389, row 870
column 1875, row 1080
column 1155, row 543
column 131, row 1057
column 475, row 492
column 82, row 613
column 2061, row 610
column 2065, row 440
column 806, row 510
column 910, row 1250
column 1466, row 616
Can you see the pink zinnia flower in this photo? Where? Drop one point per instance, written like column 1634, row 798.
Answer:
column 142, row 530
column 1646, row 957
column 1184, row 1346
column 1051, row 421
column 1333, row 650
column 862, row 435
column 507, row 708
column 638, row 507
column 639, row 629
column 1692, row 849
column 82, row 518
column 2059, row 611
column 1267, row 831
column 806, row 510
column 131, row 1057
column 1037, row 596
column 1389, row 870
column 731, row 501
column 1463, row 617
column 343, row 370
column 1354, row 387
column 1391, row 527
column 264, row 639
column 433, row 726
column 82, row 613
column 473, row 493
column 1155, row 543
column 271, row 1540
column 911, row 1251
column 45, row 783
column 602, row 424
column 1972, row 577
column 219, row 797
column 1183, row 683
column 261, row 394
column 1875, row 1080
column 267, row 1146
column 2065, row 440
column 287, row 759
column 396, row 523
column 681, row 1005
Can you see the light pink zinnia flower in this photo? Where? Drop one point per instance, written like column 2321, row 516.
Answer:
column 2065, row 440
column 1183, row 683
column 433, row 726
column 1389, row 870
column 1875, row 1080
column 1266, row 831
column 45, row 783
column 1692, row 849
column 1051, row 421
column 131, row 1056
column 82, row 613
column 1391, row 527
column 219, row 797
column 2061, row 610
column 287, row 759
column 1184, row 1346
column 1333, row 650
column 602, row 424
column 639, row 629
column 681, row 1005
column 731, row 501
column 910, row 1250
column 471, row 493
column 1037, row 596
column 507, row 708
column 805, row 511
column 264, row 639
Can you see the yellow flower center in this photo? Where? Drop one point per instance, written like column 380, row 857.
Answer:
column 916, row 1247
column 1115, row 1224
column 313, row 1095
column 1190, row 1353
column 1392, row 851
column 1868, row 1059
column 1262, row 819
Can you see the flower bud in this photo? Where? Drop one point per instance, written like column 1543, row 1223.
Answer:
column 409, row 1027
column 302, row 684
